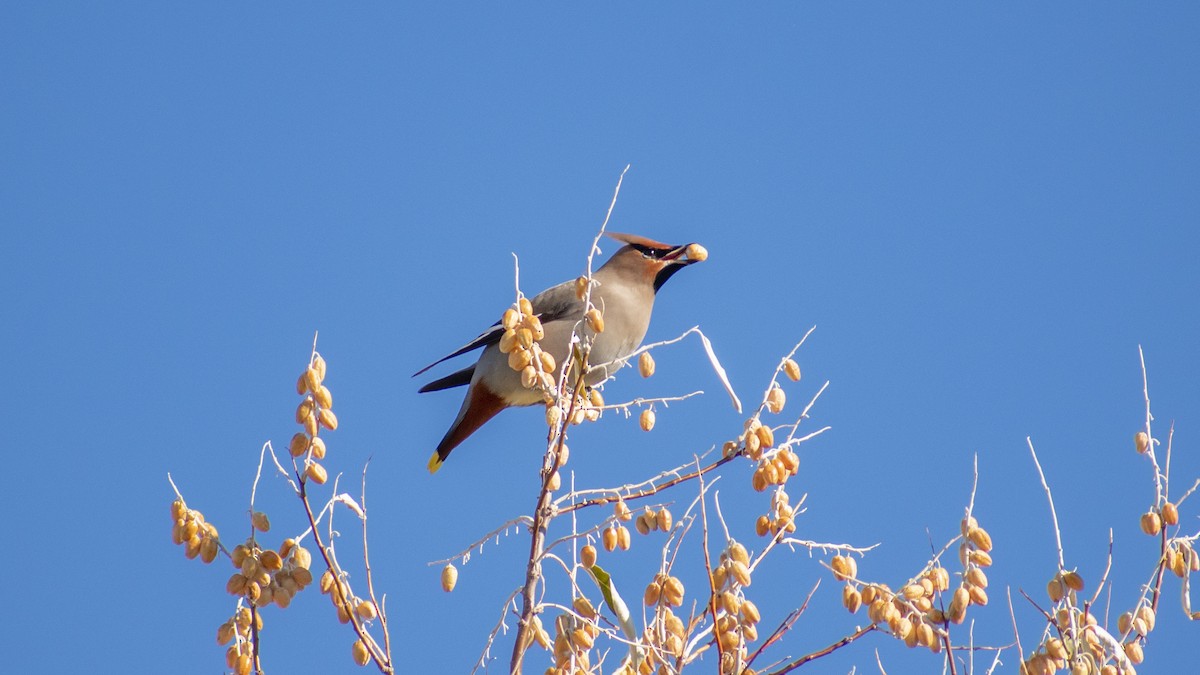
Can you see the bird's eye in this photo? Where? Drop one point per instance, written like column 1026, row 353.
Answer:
column 646, row 251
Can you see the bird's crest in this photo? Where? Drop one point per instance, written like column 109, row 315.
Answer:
column 635, row 240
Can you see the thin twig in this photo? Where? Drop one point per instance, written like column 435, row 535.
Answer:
column 604, row 225
column 338, row 589
column 1158, row 487
column 1187, row 494
column 708, row 350
column 616, row 494
column 825, row 651
column 598, row 501
column 262, row 455
column 708, row 573
column 254, row 653
column 541, row 522
column 500, row 625
column 383, row 622
column 624, row 407
column 1107, row 569
column 784, row 626
column 1167, row 464
column 1049, row 497
column 779, row 369
column 1017, row 634
column 465, row 554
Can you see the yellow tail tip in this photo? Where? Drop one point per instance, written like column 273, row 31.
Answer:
column 435, row 463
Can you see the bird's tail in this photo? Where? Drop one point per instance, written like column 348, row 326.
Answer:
column 480, row 406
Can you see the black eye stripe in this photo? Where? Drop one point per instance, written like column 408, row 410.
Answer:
column 648, row 251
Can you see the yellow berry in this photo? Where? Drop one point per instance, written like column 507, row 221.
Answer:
column 776, row 399
column 316, row 473
column 449, row 577
column 792, row 369
column 323, row 396
column 1170, row 514
column 595, row 320
column 647, row 419
column 360, row 653
column 981, row 538
column 312, row 380
column 1151, row 523
column 298, row 445
column 646, row 364
column 1141, row 441
column 510, row 319
column 663, row 520
column 260, row 521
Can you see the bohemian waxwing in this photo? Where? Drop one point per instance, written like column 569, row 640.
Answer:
column 623, row 291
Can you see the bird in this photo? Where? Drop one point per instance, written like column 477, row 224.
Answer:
column 623, row 291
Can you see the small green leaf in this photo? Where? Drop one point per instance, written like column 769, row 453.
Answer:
column 618, row 607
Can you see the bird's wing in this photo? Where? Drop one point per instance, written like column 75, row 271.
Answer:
column 557, row 303
column 456, row 379
column 552, row 304
column 488, row 337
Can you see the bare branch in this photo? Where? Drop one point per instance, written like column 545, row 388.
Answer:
column 1053, row 514
column 465, row 554
column 825, row 651
column 500, row 626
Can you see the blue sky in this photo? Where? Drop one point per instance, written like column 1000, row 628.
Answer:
column 984, row 211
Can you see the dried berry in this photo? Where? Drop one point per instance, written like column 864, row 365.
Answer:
column 792, row 369
column 1170, row 514
column 646, row 364
column 663, row 520
column 1141, row 441
column 595, row 320
column 776, row 399
column 361, row 656
column 647, row 419
column 449, row 577
column 851, row 598
column 1151, row 523
column 260, row 521
column 316, row 473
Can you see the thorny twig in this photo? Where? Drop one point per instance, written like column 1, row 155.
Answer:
column 665, row 400
column 465, row 554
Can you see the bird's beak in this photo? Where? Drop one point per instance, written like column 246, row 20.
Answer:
column 676, row 259
column 686, row 254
